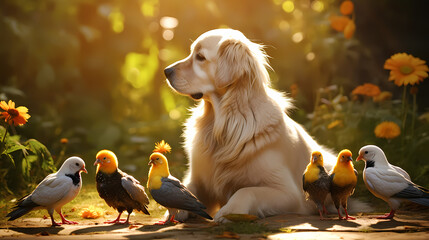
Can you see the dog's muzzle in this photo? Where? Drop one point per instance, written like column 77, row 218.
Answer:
column 169, row 72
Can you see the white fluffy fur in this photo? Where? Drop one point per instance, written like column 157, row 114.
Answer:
column 246, row 155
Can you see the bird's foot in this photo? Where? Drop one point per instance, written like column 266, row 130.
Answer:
column 349, row 217
column 65, row 221
column 117, row 221
column 166, row 222
column 55, row 224
column 387, row 215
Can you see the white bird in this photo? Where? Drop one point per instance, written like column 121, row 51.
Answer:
column 53, row 192
column 389, row 182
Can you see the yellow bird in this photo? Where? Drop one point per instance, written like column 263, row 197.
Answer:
column 168, row 190
column 343, row 181
column 315, row 182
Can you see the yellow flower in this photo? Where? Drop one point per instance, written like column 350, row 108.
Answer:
column 367, row 89
column 383, row 96
column 339, row 23
column 346, row 7
column 12, row 115
column 406, row 69
column 387, row 130
column 350, row 29
column 335, row 124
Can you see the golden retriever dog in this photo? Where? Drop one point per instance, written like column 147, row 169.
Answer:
column 246, row 155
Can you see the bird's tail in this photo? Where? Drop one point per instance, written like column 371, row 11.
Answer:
column 421, row 201
column 202, row 214
column 23, row 206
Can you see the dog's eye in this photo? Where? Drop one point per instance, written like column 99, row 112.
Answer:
column 200, row 57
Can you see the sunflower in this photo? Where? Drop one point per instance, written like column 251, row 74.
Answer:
column 367, row 89
column 12, row 115
column 383, row 96
column 347, row 7
column 387, row 130
column 406, row 69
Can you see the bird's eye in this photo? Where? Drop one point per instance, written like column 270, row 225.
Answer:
column 200, row 57
column 342, row 156
column 104, row 158
column 366, row 152
column 157, row 158
column 77, row 164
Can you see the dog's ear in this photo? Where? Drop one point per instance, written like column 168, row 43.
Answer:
column 233, row 62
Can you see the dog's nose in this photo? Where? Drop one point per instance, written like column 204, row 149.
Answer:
column 169, row 72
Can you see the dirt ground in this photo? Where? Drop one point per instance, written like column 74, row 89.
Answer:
column 405, row 225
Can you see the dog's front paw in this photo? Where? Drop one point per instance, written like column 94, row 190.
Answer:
column 219, row 216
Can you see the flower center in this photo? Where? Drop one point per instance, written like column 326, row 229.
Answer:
column 13, row 112
column 406, row 70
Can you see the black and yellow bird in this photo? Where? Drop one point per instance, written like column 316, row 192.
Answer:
column 120, row 190
column 343, row 181
column 316, row 183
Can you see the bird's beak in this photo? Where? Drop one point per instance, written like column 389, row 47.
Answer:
column 151, row 162
column 360, row 157
column 97, row 162
column 350, row 158
column 314, row 159
column 83, row 169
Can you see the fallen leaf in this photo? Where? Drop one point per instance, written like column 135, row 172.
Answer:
column 133, row 226
column 230, row 235
column 44, row 233
column 240, row 217
column 92, row 212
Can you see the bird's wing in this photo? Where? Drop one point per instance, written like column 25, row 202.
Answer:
column 412, row 191
column 134, row 189
column 385, row 182
column 173, row 194
column 51, row 190
column 303, row 182
column 401, row 171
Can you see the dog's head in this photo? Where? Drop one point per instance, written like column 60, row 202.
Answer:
column 219, row 59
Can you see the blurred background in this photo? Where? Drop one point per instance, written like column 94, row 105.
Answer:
column 91, row 74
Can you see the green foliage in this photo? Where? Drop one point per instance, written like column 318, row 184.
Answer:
column 340, row 123
column 22, row 164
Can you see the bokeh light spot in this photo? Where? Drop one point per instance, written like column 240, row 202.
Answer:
column 168, row 34
column 297, row 37
column 317, row 6
column 169, row 22
column 288, row 6
column 310, row 56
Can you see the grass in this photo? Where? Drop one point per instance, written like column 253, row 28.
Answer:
column 87, row 197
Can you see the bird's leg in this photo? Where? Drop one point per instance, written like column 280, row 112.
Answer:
column 321, row 215
column 387, row 215
column 128, row 218
column 172, row 220
column 347, row 216
column 324, row 210
column 54, row 224
column 339, row 214
column 64, row 220
column 117, row 220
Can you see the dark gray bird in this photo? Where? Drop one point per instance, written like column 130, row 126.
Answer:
column 169, row 191
column 316, row 183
